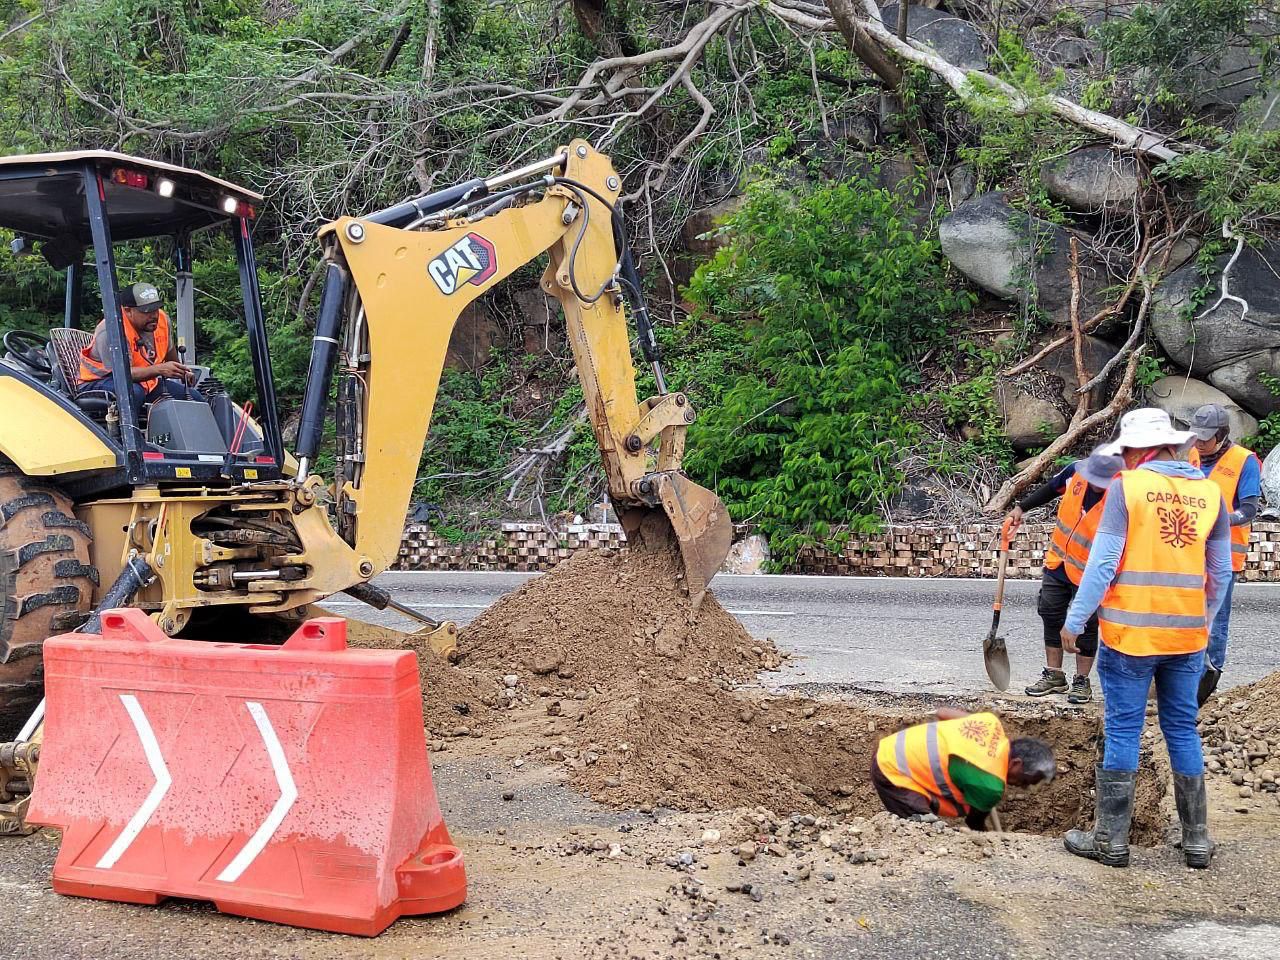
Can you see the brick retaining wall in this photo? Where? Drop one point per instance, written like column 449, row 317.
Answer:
column 902, row 551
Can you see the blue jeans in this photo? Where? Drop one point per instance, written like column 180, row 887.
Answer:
column 164, row 388
column 1125, row 682
column 1218, row 629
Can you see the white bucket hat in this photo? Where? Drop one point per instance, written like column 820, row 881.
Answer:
column 1146, row 428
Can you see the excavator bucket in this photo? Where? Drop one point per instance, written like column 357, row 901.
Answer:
column 695, row 518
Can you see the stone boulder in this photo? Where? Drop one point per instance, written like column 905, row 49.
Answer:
column 1230, row 80
column 1217, row 343
column 748, row 555
column 957, row 41
column 1018, row 257
column 1091, row 179
column 701, row 233
column 1097, row 352
column 1029, row 421
column 1271, row 479
column 475, row 336
column 1181, row 396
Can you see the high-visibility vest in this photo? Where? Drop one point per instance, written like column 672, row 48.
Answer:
column 1156, row 603
column 918, row 758
column 1226, row 474
column 1073, row 534
column 141, row 353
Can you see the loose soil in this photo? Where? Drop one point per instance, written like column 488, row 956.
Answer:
column 613, row 621
column 604, row 668
column 451, row 698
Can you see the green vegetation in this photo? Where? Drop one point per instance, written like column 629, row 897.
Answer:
column 835, row 294
column 822, row 346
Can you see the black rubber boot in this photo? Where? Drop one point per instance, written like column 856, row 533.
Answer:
column 1193, row 811
column 1208, row 684
column 1108, row 841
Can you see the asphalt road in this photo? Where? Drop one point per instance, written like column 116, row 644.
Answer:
column 915, row 635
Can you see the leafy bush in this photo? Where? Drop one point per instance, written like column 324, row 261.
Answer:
column 833, row 292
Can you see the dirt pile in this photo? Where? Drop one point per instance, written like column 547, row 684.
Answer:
column 452, row 699
column 1241, row 731
column 612, row 622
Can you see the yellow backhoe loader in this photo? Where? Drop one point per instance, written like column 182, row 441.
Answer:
column 192, row 508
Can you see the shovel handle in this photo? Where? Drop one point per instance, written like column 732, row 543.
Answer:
column 1002, row 569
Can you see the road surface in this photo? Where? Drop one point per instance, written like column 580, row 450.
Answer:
column 890, row 634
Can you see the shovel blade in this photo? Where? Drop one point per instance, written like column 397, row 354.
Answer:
column 692, row 516
column 995, row 656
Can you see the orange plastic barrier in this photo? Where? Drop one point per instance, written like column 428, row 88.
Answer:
column 284, row 783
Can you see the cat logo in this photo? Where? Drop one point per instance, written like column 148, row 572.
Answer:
column 471, row 260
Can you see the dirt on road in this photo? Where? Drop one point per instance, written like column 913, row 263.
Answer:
column 623, row 787
column 605, row 669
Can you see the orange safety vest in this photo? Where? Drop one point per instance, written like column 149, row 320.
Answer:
column 1156, row 603
column 141, row 354
column 918, row 758
column 1226, row 474
column 1073, row 535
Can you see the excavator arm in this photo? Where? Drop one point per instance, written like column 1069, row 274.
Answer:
column 398, row 281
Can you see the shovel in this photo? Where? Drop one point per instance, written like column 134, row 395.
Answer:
column 995, row 655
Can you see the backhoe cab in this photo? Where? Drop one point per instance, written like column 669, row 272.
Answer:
column 61, row 206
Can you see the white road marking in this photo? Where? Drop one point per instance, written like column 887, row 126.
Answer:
column 151, row 748
column 288, row 794
column 1223, row 942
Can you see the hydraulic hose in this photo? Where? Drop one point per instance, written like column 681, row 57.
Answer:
column 324, row 353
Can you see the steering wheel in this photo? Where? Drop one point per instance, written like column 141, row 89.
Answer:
column 28, row 348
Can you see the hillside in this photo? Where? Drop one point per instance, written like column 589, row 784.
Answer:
column 898, row 277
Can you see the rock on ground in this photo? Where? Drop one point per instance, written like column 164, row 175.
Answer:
column 1271, row 479
column 1217, row 342
column 957, row 41
column 1097, row 352
column 1017, row 257
column 701, row 234
column 1028, row 420
column 748, row 555
column 1092, row 178
column 1180, row 396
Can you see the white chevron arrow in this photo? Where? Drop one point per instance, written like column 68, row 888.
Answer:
column 288, row 794
column 155, row 760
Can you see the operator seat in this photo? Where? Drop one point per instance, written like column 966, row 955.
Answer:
column 65, row 346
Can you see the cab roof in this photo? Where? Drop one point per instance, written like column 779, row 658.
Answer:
column 42, row 196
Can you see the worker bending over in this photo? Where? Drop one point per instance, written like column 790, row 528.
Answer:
column 153, row 356
column 956, row 766
column 1081, row 486
column 1163, row 526
column 1238, row 473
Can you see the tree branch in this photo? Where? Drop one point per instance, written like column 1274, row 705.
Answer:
column 1025, row 477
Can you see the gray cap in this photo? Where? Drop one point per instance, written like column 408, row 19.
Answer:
column 1099, row 469
column 141, row 296
column 1208, row 420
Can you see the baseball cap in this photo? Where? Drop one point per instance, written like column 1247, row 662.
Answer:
column 1100, row 468
column 141, row 296
column 1208, row 420
column 1146, row 428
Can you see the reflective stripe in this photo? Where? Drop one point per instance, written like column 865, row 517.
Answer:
column 1074, row 536
column 1134, row 578
column 900, row 753
column 1128, row 618
column 935, row 764
column 1239, row 548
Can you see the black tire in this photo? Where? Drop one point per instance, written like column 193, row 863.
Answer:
column 46, row 586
